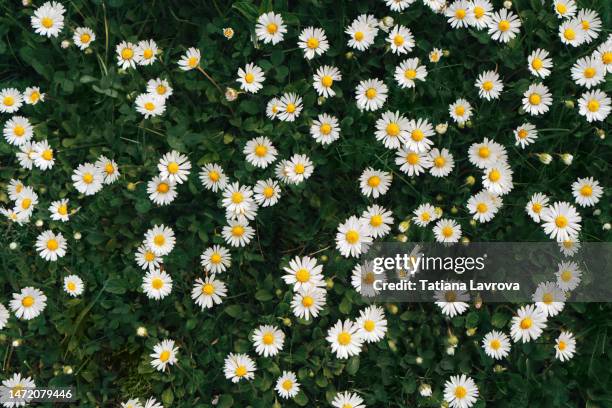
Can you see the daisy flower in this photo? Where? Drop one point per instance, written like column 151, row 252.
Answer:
column 307, row 303
column 51, row 246
column 565, row 346
column 447, row 230
column 17, row 382
column 460, row 391
column 126, row 52
column 398, row 5
column 561, row 221
column 568, row 275
column 272, row 108
column 303, row 273
column 32, row 95
column 159, row 87
column 324, row 79
column 408, row 72
column 146, row 258
column 391, row 129
column 145, row 52
column 164, row 354
column 313, row 42
column 460, row 111
column 43, row 155
column 352, row 237
column 26, row 155
column 539, row 63
column 10, row 100
column 442, row 162
column 73, row 285
column 401, row 40
column 14, row 216
column 604, row 53
column 289, row 107
column 190, row 60
column 479, row 15
column 372, row 324
column 28, row 303
column 237, row 233
column 325, row 129
column 590, row 23
column 486, row 153
column 435, row 55
column 26, row 201
column 419, row 132
column 536, row 204
column 287, row 385
column 266, row 192
column 160, row 240
column 174, row 167
column 564, row 8
column 571, row 33
column 156, row 284
column 362, row 32
column 83, row 37
column 260, row 152
column 15, row 188
column 4, row 316
column 489, row 85
column 457, row 13
column 238, row 202
column 504, row 26
column 528, row 324
column 109, row 169
column 374, row 182
column 482, row 208
column 525, row 135
column 152, row 403
column 150, row 105
column 268, row 340
column 299, row 168
column 378, row 221
column 594, row 105
column 18, row 130
column 371, row 94
column 208, row 292
column 496, row 345
column 452, row 303
column 537, row 99
column 424, row 214
column 363, row 278
column 345, row 339
column 238, row 367
column 348, row 399
column 588, row 72
column 59, row 210
column 251, row 78
column 48, row 19
column 281, row 171
column 498, row 179
column 587, row 191
column 216, row 259
column 569, row 247
column 161, row 191
column 213, row 177
column 270, row 28
column 131, row 403
column 411, row 162
column 549, row 298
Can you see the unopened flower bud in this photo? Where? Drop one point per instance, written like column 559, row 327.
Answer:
column 39, row 223
column 446, row 53
column 77, row 235
column 131, row 186
column 65, row 44
column 597, row 212
column 13, row 245
column 321, row 100
column 287, row 322
column 601, row 133
column 67, row 370
column 419, row 360
column 454, row 210
column 569, row 104
column 606, row 226
column 471, row 331
column 450, row 350
column 508, row 4
column 453, row 340
column 401, row 238
column 545, row 158
column 473, row 222
column 388, row 21
column 26, row 3
column 231, row 94
column 469, row 124
column 403, row 226
column 470, row 180
column 393, row 309
column 441, row 128
column 567, row 158
column 141, row 331
column 17, row 342
column 465, row 240
column 392, row 345
column 324, row 258
column 425, row 390
column 349, row 55
column 329, row 283
column 438, row 210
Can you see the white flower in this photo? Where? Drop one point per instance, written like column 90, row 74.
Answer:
column 482, row 208
column 303, row 273
column 447, row 230
column 392, row 129
column 528, row 324
column 18, row 131
column 266, row 192
column 549, row 298
column 307, row 303
column 568, row 275
column 324, row 79
column 73, row 285
column 145, row 52
column 174, row 166
column 504, row 26
column 251, row 78
column 588, row 71
column 352, row 237
column 27, row 155
column 378, row 221
column 487, row 153
column 363, row 278
column 109, row 169
column 260, row 152
column 419, row 132
column 26, row 201
column 411, row 162
column 213, row 177
column 28, row 303
column 298, row 168
column 238, row 367
column 325, row 129
column 51, row 246
column 10, row 100
column 131, row 403
column 272, row 108
column 160, row 240
column 208, row 292
column 146, row 258
column 156, row 284
column 372, row 324
column 594, row 105
column 401, row 40
column 239, row 203
column 270, row 28
column 268, row 340
column 569, row 247
column 126, row 55
column 289, row 107
column 161, row 191
column 398, row 5
column 525, row 135
column 31, row 96
column 48, row 19
column 17, row 382
column 442, row 162
column 565, row 346
column 43, row 155
column 152, row 403
column 408, row 72
column 590, row 23
column 4, row 316
column 587, row 191
column 452, row 303
column 150, row 105
column 216, row 259
column 348, row 399
column 313, row 42
column 572, row 33
column 536, row 204
column 362, row 32
column 564, row 8
column 287, row 385
column 164, row 354
column 496, row 345
column 424, row 214
column 237, row 233
column 190, row 60
column 374, row 183
column 539, row 63
column 159, row 87
column 83, row 37
column 457, row 13
column 371, row 94
column 537, row 99
column 460, row 111
column 460, row 391
column 561, row 221
column 345, row 339
column 59, row 210
column 489, row 85
column 479, row 15
column 498, row 178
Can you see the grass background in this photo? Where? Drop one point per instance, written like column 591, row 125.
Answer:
column 89, row 111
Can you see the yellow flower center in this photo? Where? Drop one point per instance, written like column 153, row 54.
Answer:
column 19, row 130
column 561, row 8
column 393, row 129
column 163, row 187
column 159, row 240
column 561, row 345
column 522, row 134
column 173, row 167
column 214, row 176
column 192, row 62
column 566, row 276
column 425, row 216
column 376, row 220
column 398, row 40
column 447, row 231
column 460, row 392
column 606, row 57
column 26, row 203
column 412, row 158
column 495, row 344
column 287, row 384
column 460, row 110
column 439, row 161
column 268, row 339
column 526, row 323
column 503, row 25
column 590, row 72
column 593, row 105
column 215, row 258
column 371, row 93
column 299, row 168
column 208, row 289
column 417, row 135
column 561, row 221
column 27, row 301
column 479, row 12
column 272, row 28
column 157, row 283
column 241, row 371
column 71, row 286
column 535, row 99
column 494, row 175
column 307, row 301
column 325, row 129
column 347, row 405
column 537, row 64
column 85, row 38
column 62, row 209
column 327, row 81
column 127, row 53
column 148, row 53
column 149, row 256
column 290, row 108
column 312, row 43
column 302, row 275
column 47, row 22
column 88, row 178
column 150, row 106
column 249, row 78
column 586, row 191
column 161, row 90
column 164, row 356
column 352, row 237
column 547, row 298
column 8, row 101
column 261, row 150
column 536, row 207
column 344, row 338
column 487, row 85
column 482, row 208
column 368, row 278
column 268, row 192
column 374, row 181
column 484, row 152
column 47, row 154
column 237, row 230
column 410, row 74
column 369, row 325
column 569, row 34
column 358, row 36
column 34, row 96
column 460, row 14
